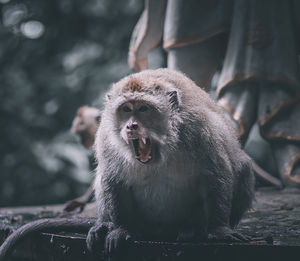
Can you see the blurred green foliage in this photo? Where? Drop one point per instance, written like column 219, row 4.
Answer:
column 55, row 55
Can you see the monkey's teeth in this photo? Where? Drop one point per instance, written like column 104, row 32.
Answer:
column 127, row 141
column 144, row 140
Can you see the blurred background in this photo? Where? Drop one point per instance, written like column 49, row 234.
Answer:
column 55, row 55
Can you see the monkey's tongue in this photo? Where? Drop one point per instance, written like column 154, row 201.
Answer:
column 142, row 148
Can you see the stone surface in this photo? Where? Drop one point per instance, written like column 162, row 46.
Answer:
column 273, row 224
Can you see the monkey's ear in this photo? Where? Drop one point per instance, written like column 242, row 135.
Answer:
column 173, row 99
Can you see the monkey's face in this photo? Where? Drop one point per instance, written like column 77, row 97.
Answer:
column 140, row 122
column 85, row 124
column 141, row 119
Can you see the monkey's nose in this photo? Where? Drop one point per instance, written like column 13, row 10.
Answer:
column 133, row 126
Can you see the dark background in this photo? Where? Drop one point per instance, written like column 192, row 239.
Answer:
column 55, row 55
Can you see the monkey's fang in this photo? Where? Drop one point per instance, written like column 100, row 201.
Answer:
column 142, row 149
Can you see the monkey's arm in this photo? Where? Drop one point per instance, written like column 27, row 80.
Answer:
column 115, row 218
column 80, row 202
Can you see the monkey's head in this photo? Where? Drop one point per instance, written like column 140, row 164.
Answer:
column 143, row 114
column 85, row 124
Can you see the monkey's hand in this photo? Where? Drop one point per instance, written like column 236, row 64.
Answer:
column 226, row 234
column 116, row 241
column 74, row 206
column 96, row 237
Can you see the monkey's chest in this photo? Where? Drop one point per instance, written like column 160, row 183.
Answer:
column 163, row 202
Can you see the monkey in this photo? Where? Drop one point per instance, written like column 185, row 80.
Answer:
column 170, row 166
column 85, row 124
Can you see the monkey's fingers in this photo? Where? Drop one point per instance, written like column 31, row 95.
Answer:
column 96, row 237
column 117, row 241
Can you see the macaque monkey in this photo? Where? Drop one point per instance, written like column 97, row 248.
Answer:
column 170, row 166
column 85, row 124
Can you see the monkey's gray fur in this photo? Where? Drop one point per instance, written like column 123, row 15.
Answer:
column 198, row 181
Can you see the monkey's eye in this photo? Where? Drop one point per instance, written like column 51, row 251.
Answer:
column 98, row 118
column 143, row 108
column 126, row 109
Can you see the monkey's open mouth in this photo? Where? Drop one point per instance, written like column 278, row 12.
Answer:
column 142, row 149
